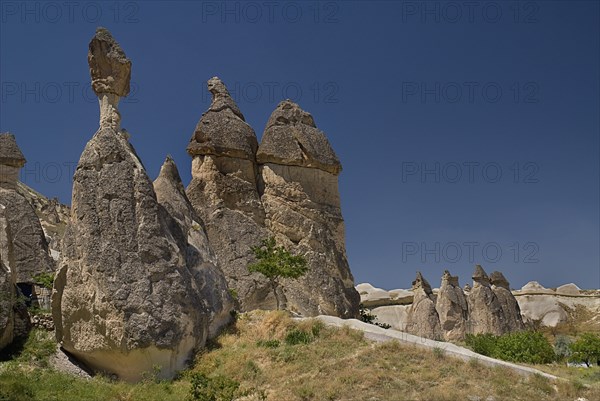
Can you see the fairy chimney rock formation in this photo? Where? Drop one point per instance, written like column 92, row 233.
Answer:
column 8, row 295
column 125, row 299
column 224, row 193
column 423, row 319
column 31, row 252
column 202, row 261
column 485, row 310
column 510, row 307
column 299, row 174
column 11, row 161
column 452, row 308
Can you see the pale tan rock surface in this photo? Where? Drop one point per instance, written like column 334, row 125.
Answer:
column 124, row 298
column 300, row 195
column 485, row 310
column 452, row 308
column 202, row 261
column 510, row 307
column 31, row 253
column 224, row 193
column 423, row 319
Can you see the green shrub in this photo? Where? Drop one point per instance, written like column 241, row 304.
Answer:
column 218, row 388
column 523, row 346
column 484, row 344
column 367, row 317
column 296, row 336
column 44, row 279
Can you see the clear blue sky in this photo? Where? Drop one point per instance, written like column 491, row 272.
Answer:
column 468, row 132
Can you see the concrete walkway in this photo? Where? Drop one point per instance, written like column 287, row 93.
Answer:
column 378, row 334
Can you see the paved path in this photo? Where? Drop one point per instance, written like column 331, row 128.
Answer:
column 378, row 334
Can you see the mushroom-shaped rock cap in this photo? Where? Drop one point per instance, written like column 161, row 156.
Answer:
column 109, row 67
column 420, row 282
column 498, row 279
column 479, row 274
column 222, row 130
column 10, row 154
column 291, row 138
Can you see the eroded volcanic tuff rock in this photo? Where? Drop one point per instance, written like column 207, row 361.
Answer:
column 299, row 178
column 201, row 260
column 423, row 319
column 224, row 193
column 31, row 252
column 451, row 306
column 125, row 299
column 485, row 310
column 510, row 307
column 8, row 294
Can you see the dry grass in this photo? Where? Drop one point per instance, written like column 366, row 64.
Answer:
column 324, row 364
column 340, row 365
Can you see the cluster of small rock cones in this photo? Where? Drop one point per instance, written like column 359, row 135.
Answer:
column 487, row 307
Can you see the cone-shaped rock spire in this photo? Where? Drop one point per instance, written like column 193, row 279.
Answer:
column 423, row 319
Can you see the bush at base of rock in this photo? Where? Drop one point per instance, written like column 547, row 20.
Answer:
column 524, row 347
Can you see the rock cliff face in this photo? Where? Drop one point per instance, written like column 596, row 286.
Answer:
column 286, row 188
column 452, row 308
column 224, row 192
column 8, row 283
column 124, row 298
column 299, row 170
column 423, row 319
column 29, row 242
column 510, row 308
column 202, row 261
column 485, row 310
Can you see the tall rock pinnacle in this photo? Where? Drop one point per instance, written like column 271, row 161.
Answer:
column 452, row 309
column 111, row 72
column 224, row 193
column 299, row 176
column 126, row 298
column 485, row 310
column 11, row 160
column 423, row 319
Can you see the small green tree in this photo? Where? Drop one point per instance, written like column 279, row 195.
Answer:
column 274, row 262
column 586, row 349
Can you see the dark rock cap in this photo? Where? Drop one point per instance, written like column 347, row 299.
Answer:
column 452, row 280
column 291, row 138
column 10, row 154
column 420, row 282
column 498, row 279
column 222, row 130
column 109, row 67
column 480, row 275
